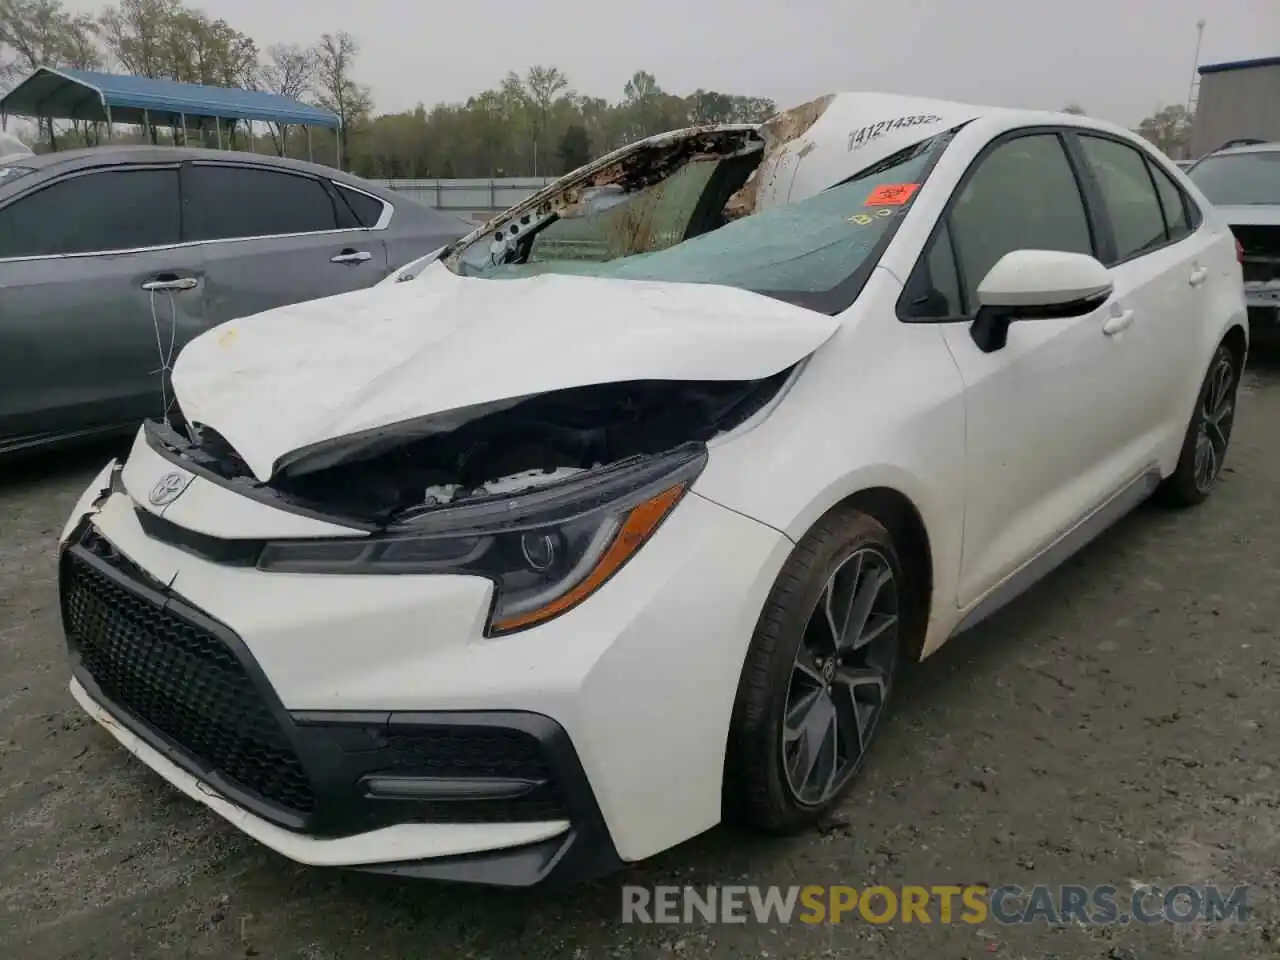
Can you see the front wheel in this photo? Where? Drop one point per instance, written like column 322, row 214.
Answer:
column 818, row 674
column 1204, row 446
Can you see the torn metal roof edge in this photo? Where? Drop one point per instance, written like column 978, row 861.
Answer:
column 66, row 94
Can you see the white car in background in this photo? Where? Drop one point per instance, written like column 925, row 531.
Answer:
column 1243, row 182
column 625, row 514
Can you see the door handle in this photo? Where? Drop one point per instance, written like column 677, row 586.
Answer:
column 1117, row 322
column 171, row 283
column 352, row 256
column 1198, row 276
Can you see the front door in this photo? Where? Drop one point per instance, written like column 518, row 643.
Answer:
column 1044, row 438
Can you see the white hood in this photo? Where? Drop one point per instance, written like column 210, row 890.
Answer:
column 358, row 363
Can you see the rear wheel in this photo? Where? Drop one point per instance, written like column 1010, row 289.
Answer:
column 1204, row 446
column 818, row 674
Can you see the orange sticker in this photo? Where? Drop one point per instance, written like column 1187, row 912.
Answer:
column 892, row 194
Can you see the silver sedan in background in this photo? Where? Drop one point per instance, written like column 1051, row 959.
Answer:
column 111, row 259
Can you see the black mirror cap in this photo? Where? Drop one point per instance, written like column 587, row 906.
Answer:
column 990, row 328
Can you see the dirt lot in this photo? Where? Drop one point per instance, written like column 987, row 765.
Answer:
column 1118, row 724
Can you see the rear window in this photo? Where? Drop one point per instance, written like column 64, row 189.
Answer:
column 1239, row 179
column 367, row 209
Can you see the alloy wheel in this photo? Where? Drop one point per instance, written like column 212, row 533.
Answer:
column 1214, row 431
column 840, row 680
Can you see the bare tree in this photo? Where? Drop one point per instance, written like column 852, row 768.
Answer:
column 1074, row 108
column 288, row 71
column 336, row 89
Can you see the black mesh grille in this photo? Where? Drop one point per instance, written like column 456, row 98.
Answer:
column 182, row 681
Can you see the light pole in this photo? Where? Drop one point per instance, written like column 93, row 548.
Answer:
column 1195, row 66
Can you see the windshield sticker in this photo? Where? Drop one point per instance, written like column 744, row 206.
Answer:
column 862, row 219
column 874, row 131
column 891, row 194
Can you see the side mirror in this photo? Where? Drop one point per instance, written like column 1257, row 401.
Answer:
column 1036, row 285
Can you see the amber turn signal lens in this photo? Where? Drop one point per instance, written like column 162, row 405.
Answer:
column 641, row 522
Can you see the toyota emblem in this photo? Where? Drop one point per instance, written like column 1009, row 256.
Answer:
column 167, row 489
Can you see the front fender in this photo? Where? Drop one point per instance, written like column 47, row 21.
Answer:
column 87, row 504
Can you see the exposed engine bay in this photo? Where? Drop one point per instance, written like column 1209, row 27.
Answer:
column 537, row 442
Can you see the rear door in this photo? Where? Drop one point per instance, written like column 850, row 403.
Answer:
column 272, row 237
column 1161, row 270
column 94, row 287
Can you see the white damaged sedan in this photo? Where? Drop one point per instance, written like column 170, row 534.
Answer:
column 623, row 514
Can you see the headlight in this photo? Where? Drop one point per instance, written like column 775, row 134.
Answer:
column 546, row 551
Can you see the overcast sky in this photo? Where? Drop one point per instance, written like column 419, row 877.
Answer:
column 1120, row 59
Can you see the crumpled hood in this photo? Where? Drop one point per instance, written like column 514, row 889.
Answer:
column 391, row 356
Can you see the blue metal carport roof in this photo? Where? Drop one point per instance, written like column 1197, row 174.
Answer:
column 87, row 95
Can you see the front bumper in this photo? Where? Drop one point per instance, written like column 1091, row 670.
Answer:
column 183, row 693
column 613, row 718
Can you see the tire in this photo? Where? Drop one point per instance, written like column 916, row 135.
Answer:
column 1204, row 446
column 765, row 788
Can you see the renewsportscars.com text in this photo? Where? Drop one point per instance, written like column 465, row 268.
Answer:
column 941, row 903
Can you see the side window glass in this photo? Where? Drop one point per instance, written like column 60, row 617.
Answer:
column 367, row 209
column 224, row 203
column 1173, row 203
column 95, row 212
column 1129, row 194
column 933, row 290
column 1023, row 196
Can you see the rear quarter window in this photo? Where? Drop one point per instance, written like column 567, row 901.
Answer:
column 367, row 209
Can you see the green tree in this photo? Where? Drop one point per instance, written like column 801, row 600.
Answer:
column 709, row 106
column 1169, row 129
column 166, row 39
column 642, row 103
column 753, row 109
column 575, row 148
column 542, row 84
column 139, row 35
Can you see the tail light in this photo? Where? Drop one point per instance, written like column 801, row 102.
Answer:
column 1239, row 252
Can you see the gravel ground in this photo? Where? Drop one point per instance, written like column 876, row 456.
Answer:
column 1117, row 724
